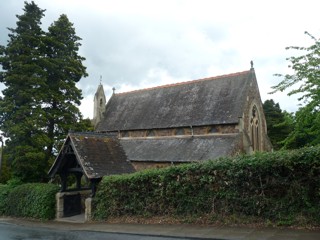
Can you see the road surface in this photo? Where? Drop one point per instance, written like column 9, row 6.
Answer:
column 16, row 232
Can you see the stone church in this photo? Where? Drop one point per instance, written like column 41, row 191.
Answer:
column 185, row 122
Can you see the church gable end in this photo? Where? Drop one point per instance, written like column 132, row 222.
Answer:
column 254, row 123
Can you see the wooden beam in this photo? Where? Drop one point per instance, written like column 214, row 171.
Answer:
column 75, row 170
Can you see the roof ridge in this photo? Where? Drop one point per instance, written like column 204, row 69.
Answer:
column 186, row 82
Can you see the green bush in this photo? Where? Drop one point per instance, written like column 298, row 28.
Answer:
column 34, row 200
column 4, row 191
column 280, row 186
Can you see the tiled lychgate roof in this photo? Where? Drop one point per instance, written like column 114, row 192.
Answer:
column 217, row 100
column 180, row 149
column 97, row 154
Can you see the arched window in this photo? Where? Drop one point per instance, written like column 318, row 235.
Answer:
column 254, row 129
column 101, row 102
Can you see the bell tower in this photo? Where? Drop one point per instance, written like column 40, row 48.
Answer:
column 99, row 104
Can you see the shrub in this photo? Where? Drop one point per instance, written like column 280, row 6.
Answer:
column 279, row 186
column 4, row 191
column 34, row 200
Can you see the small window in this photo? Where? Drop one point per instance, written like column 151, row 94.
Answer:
column 213, row 130
column 125, row 134
column 150, row 133
column 101, row 102
column 180, row 131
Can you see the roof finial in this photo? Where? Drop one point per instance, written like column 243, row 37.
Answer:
column 251, row 62
column 114, row 90
column 100, row 79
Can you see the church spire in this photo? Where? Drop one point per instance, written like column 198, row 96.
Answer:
column 99, row 103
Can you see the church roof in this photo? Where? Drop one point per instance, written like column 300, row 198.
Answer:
column 215, row 100
column 180, row 149
column 97, row 154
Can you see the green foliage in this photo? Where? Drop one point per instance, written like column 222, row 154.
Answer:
column 4, row 191
column 64, row 69
column 279, row 186
column 306, row 73
column 29, row 164
column 278, row 124
column 33, row 200
column 40, row 102
column 304, row 81
column 14, row 182
column 20, row 108
column 5, row 173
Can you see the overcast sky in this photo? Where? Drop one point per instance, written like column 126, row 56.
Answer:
column 135, row 44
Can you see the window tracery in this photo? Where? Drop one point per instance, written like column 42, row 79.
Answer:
column 255, row 129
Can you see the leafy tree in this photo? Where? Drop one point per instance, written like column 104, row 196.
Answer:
column 304, row 81
column 305, row 125
column 41, row 100
column 278, row 124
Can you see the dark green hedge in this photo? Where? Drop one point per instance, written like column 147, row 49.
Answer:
column 282, row 186
column 34, row 200
column 4, row 191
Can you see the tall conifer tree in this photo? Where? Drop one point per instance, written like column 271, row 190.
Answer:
column 64, row 69
column 40, row 103
column 20, row 108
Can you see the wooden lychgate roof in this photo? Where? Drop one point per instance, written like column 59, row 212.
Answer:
column 97, row 154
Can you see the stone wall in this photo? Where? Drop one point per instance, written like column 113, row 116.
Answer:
column 88, row 210
column 194, row 130
column 254, row 99
column 138, row 166
column 60, row 201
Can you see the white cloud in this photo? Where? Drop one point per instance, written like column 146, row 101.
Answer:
column 143, row 43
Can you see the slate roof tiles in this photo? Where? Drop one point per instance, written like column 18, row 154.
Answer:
column 216, row 100
column 180, row 149
column 97, row 154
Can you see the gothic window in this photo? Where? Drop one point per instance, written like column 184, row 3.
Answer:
column 101, row 102
column 254, row 129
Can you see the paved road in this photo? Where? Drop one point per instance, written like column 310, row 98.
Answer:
column 24, row 229
column 15, row 232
